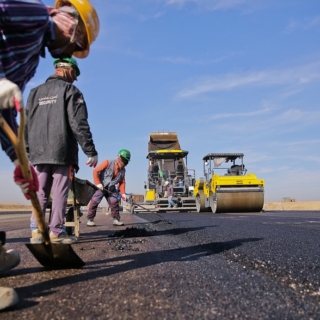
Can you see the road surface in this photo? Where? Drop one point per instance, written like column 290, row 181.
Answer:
column 175, row 266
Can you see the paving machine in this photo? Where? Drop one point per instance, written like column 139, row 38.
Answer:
column 167, row 162
column 232, row 191
column 169, row 165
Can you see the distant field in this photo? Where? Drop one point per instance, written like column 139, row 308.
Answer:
column 311, row 205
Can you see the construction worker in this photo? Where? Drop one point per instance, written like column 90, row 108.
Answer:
column 26, row 28
column 171, row 203
column 106, row 176
column 56, row 123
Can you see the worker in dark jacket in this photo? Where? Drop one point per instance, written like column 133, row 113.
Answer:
column 26, row 29
column 56, row 122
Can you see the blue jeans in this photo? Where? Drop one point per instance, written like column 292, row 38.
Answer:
column 171, row 202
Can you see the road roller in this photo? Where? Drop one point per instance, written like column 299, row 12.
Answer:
column 234, row 190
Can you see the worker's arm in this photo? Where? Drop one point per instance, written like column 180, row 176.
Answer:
column 101, row 167
column 26, row 185
column 78, row 121
column 122, row 189
column 10, row 117
column 17, row 21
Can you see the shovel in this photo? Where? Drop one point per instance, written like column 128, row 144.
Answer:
column 56, row 256
column 157, row 214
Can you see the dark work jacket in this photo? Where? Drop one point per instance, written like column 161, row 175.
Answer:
column 56, row 121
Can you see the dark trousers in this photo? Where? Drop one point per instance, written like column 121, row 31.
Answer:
column 111, row 197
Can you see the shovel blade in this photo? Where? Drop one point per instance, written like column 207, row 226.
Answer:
column 55, row 256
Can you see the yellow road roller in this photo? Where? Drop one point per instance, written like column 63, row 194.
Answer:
column 231, row 191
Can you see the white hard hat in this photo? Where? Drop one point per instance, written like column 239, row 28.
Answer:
column 166, row 183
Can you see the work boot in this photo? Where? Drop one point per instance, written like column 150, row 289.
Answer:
column 8, row 297
column 117, row 222
column 36, row 236
column 90, row 223
column 8, row 259
column 61, row 238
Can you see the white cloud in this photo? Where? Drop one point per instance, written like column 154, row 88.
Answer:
column 305, row 24
column 239, row 114
column 155, row 16
column 300, row 75
column 312, row 23
column 296, row 143
column 307, row 158
column 187, row 61
column 211, row 4
column 268, row 124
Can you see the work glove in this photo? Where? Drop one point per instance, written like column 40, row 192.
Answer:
column 99, row 186
column 8, row 92
column 92, row 161
column 124, row 197
column 26, row 185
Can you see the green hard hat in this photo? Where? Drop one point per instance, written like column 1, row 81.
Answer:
column 125, row 154
column 68, row 60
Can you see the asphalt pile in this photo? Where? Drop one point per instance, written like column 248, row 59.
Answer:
column 133, row 233
column 123, row 243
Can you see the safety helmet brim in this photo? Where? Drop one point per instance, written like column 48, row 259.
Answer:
column 90, row 20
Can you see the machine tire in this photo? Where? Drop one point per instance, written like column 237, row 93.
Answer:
column 213, row 203
column 200, row 202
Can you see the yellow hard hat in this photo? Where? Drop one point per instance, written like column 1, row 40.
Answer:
column 90, row 19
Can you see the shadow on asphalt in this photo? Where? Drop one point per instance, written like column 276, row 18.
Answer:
column 130, row 262
column 102, row 235
column 18, row 240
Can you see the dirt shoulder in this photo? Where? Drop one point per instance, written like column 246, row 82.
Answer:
column 291, row 206
column 14, row 207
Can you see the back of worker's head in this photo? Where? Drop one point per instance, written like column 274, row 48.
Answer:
column 67, row 68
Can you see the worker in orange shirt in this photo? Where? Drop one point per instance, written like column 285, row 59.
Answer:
column 106, row 176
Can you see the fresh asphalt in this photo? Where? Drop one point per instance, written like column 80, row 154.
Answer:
column 175, row 266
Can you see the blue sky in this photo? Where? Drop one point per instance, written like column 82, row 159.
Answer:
column 226, row 75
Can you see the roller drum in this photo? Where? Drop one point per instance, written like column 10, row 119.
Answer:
column 213, row 203
column 239, row 202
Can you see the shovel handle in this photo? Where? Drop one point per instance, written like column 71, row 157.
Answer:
column 19, row 147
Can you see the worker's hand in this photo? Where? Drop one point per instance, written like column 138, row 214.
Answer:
column 8, row 92
column 26, row 185
column 124, row 197
column 92, row 161
column 100, row 186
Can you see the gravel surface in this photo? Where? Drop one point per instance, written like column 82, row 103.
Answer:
column 176, row 266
